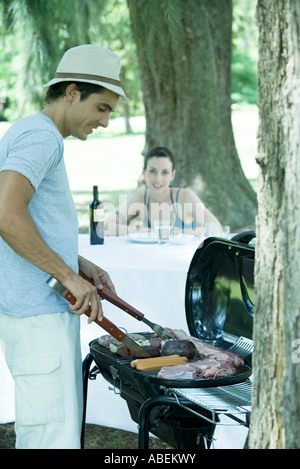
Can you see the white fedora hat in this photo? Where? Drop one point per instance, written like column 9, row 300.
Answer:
column 90, row 64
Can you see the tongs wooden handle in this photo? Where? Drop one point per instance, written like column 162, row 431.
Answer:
column 105, row 323
column 108, row 295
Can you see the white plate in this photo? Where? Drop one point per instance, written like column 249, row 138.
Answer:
column 144, row 237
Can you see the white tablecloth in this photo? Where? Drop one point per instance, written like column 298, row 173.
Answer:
column 151, row 278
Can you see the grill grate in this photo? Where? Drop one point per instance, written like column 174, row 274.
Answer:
column 231, row 400
column 147, row 381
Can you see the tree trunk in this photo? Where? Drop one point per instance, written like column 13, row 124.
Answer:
column 184, row 53
column 125, row 106
column 275, row 419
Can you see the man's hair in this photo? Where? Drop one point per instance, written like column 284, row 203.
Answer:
column 59, row 90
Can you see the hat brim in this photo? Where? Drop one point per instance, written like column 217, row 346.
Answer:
column 116, row 89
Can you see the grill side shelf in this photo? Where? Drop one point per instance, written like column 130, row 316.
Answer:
column 233, row 400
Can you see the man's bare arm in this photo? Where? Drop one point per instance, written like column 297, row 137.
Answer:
column 21, row 234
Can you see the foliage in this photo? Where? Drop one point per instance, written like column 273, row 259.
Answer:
column 6, row 74
column 34, row 34
column 116, row 34
column 244, row 52
column 42, row 30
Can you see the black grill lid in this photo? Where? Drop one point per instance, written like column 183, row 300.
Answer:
column 219, row 296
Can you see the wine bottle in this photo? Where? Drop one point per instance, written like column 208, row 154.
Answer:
column 96, row 219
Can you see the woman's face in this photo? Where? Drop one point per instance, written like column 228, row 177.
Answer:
column 159, row 174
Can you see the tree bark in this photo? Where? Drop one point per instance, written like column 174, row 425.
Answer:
column 275, row 419
column 184, row 53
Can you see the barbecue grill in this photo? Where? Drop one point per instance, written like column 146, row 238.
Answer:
column 219, row 303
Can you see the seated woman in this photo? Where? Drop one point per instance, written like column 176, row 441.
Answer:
column 160, row 201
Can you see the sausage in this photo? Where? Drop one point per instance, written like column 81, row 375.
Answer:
column 151, row 364
column 184, row 348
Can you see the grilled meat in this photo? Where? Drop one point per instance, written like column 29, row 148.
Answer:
column 213, row 362
column 184, row 348
column 107, row 339
column 205, row 350
column 178, row 372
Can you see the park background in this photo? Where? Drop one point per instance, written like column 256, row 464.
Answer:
column 112, row 158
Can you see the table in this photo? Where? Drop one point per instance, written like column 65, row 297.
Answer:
column 151, row 278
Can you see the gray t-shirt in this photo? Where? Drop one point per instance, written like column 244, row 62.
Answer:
column 33, row 147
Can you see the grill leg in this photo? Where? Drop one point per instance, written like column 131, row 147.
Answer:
column 86, row 364
column 143, row 417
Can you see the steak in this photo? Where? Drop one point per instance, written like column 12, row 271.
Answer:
column 211, row 368
column 178, row 372
column 207, row 368
column 205, row 350
column 213, row 362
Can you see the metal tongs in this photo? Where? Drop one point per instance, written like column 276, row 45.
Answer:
column 106, row 324
column 108, row 295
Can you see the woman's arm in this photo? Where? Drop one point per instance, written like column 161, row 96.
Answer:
column 192, row 208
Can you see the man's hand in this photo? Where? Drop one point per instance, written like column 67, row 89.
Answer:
column 91, row 298
column 86, row 297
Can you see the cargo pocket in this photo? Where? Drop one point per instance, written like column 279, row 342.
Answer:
column 38, row 389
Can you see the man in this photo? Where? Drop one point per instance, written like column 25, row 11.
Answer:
column 38, row 237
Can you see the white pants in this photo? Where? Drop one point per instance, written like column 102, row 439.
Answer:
column 43, row 354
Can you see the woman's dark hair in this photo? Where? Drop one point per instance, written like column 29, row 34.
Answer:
column 59, row 90
column 159, row 152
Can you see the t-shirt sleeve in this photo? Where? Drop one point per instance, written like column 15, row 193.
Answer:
column 34, row 154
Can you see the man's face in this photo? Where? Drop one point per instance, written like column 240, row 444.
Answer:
column 85, row 116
